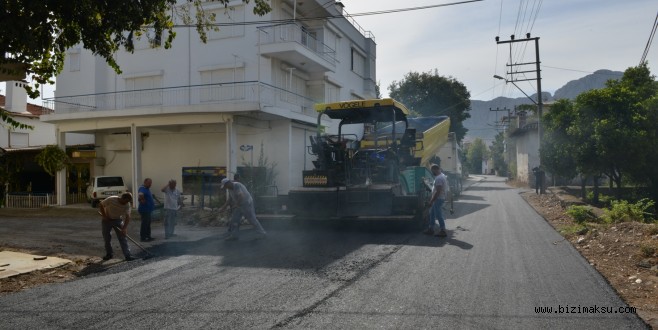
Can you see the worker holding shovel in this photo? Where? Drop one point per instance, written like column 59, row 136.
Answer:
column 436, row 203
column 115, row 213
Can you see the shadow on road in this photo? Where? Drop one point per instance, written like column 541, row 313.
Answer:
column 312, row 245
column 299, row 245
column 463, row 208
column 291, row 244
column 452, row 239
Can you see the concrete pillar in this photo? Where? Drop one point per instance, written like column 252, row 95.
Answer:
column 231, row 147
column 281, row 140
column 136, row 144
column 60, row 177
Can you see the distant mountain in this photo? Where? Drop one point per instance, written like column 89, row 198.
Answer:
column 482, row 123
column 484, row 116
column 592, row 81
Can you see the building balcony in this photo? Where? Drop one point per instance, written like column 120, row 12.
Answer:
column 223, row 97
column 294, row 44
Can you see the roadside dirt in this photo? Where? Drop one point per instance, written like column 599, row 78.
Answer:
column 54, row 244
column 626, row 254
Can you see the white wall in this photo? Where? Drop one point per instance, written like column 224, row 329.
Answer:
column 166, row 150
column 181, row 64
column 527, row 155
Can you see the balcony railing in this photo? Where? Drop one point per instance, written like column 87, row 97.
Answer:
column 249, row 91
column 357, row 26
column 298, row 34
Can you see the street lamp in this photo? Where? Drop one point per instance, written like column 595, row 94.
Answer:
column 519, row 88
column 538, row 103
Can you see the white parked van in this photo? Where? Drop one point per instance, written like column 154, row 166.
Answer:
column 102, row 187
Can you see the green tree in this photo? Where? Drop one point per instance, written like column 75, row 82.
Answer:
column 476, row 153
column 642, row 115
column 498, row 150
column 36, row 33
column 558, row 146
column 52, row 159
column 615, row 121
column 429, row 94
column 649, row 171
column 585, row 151
column 378, row 90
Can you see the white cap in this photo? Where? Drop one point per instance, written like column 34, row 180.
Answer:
column 224, row 181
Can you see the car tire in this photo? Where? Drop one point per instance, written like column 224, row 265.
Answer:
column 94, row 203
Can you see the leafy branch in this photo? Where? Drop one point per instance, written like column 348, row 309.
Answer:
column 53, row 159
column 5, row 117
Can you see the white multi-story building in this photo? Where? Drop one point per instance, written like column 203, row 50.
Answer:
column 196, row 104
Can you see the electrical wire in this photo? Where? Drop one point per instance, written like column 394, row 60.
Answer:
column 500, row 20
column 526, row 17
column 650, row 41
column 532, row 17
column 287, row 21
column 536, row 15
column 575, row 70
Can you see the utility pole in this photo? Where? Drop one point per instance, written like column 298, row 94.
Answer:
column 503, row 109
column 507, row 148
column 513, row 72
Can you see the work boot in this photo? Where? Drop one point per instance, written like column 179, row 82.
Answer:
column 441, row 233
column 130, row 258
column 107, row 257
column 428, row 231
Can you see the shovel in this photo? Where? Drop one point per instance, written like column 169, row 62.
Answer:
column 148, row 254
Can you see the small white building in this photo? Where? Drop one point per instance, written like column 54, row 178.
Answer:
column 27, row 142
column 196, row 104
column 524, row 133
column 41, row 134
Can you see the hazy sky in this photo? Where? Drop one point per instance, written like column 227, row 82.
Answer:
column 577, row 37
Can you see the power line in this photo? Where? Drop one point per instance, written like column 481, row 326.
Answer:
column 287, row 21
column 500, row 20
column 651, row 35
column 532, row 17
column 536, row 15
column 590, row 72
column 526, row 17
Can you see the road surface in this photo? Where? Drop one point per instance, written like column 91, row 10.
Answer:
column 500, row 264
